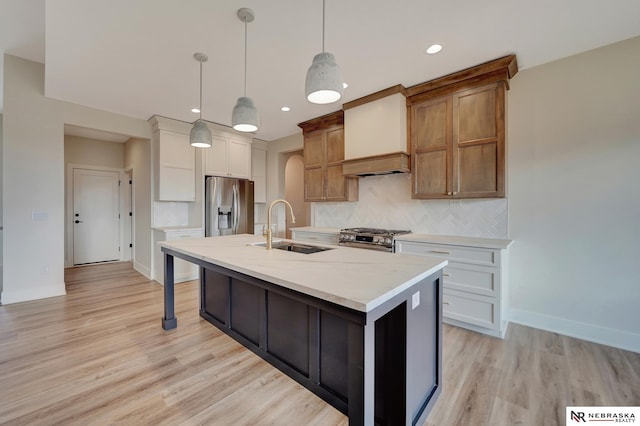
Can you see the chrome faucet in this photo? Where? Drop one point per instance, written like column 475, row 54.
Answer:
column 269, row 232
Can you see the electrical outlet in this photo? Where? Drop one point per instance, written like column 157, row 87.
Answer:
column 415, row 300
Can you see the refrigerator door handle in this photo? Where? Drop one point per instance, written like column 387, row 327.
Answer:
column 236, row 209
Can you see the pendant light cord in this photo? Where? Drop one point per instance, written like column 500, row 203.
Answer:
column 200, row 60
column 322, row 26
column 245, row 57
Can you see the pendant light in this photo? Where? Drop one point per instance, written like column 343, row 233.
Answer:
column 200, row 136
column 324, row 78
column 244, row 117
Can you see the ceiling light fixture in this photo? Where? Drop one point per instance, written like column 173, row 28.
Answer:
column 245, row 115
column 324, row 78
column 285, row 109
column 200, row 136
column 195, row 110
column 433, row 49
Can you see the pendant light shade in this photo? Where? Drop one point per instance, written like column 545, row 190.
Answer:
column 323, row 84
column 324, row 80
column 200, row 135
column 244, row 117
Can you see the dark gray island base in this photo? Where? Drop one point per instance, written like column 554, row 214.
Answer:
column 378, row 367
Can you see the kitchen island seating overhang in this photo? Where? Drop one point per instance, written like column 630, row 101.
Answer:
column 361, row 329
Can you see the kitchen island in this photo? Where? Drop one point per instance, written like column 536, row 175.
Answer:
column 361, row 329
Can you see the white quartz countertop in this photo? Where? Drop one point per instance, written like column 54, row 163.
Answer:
column 355, row 278
column 453, row 240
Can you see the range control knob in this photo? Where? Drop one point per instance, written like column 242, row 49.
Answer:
column 388, row 241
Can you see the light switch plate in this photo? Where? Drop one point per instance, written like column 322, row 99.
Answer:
column 415, row 300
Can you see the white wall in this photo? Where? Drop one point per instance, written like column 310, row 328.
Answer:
column 138, row 159
column 33, row 178
column 278, row 151
column 92, row 152
column 574, row 195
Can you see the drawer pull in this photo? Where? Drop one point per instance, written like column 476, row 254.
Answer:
column 444, row 274
column 446, row 303
column 440, row 252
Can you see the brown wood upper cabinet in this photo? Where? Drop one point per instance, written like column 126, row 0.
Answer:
column 323, row 157
column 457, row 133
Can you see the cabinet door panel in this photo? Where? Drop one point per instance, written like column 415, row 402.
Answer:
column 334, row 361
column 313, row 184
column 215, row 158
column 477, row 115
column 430, row 176
column 245, row 304
column 478, row 168
column 313, row 149
column 215, row 295
column 335, row 145
column 239, row 159
column 335, row 183
column 288, row 331
column 432, row 124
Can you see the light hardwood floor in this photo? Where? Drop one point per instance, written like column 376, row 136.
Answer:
column 99, row 356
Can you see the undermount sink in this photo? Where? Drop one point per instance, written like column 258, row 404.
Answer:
column 294, row 247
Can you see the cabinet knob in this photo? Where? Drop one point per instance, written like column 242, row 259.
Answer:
column 455, row 193
column 448, row 193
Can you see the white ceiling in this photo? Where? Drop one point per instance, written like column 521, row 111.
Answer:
column 135, row 57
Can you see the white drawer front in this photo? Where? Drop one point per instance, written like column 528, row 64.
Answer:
column 467, row 308
column 177, row 235
column 473, row 278
column 478, row 256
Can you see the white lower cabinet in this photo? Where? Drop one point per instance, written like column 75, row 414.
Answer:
column 316, row 235
column 182, row 270
column 475, row 284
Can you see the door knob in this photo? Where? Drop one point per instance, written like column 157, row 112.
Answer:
column 79, row 221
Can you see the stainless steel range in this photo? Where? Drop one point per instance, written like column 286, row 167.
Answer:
column 369, row 238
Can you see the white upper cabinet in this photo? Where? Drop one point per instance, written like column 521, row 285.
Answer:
column 174, row 160
column 228, row 156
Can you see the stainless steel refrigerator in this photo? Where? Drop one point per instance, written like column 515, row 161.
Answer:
column 228, row 206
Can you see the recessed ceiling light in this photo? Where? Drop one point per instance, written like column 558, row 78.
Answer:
column 344, row 85
column 195, row 110
column 433, row 49
column 285, row 109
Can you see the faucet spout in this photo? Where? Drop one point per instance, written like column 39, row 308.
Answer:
column 269, row 232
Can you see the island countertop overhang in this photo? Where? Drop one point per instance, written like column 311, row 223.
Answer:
column 354, row 278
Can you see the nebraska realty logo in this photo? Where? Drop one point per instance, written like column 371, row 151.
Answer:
column 602, row 414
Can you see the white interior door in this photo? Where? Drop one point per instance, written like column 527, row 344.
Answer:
column 96, row 222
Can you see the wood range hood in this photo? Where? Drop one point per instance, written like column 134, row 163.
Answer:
column 375, row 129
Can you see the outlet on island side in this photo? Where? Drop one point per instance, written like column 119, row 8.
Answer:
column 415, row 300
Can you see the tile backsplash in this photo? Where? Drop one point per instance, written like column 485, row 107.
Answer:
column 170, row 214
column 385, row 202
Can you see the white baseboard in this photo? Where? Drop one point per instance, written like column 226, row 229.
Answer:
column 593, row 333
column 144, row 270
column 10, row 296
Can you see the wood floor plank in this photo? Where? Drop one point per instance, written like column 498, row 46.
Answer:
column 99, row 356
